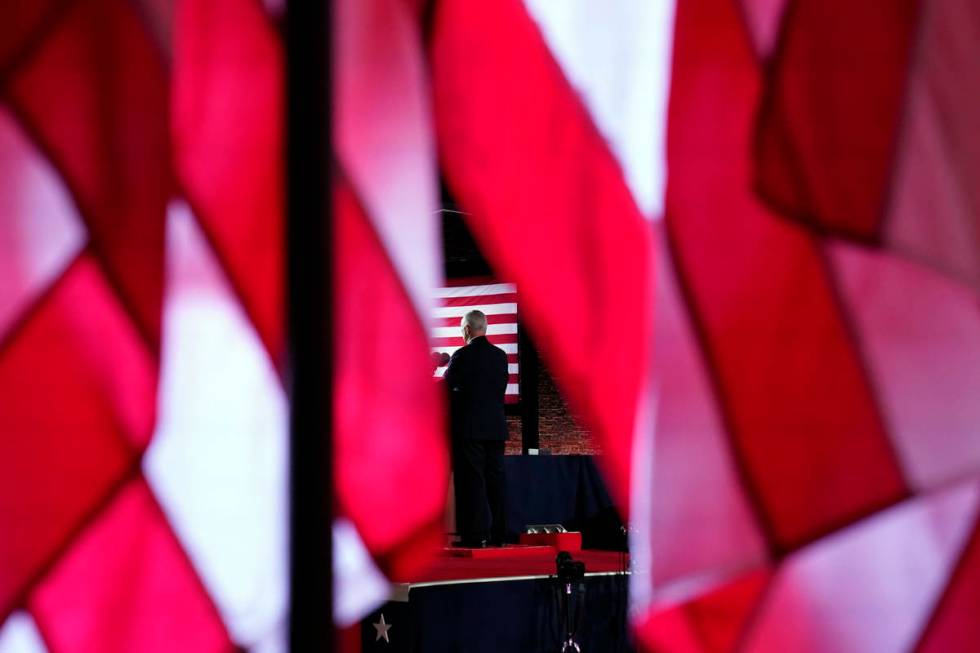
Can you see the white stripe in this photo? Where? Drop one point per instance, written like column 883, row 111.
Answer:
column 512, row 389
column 492, row 330
column 922, row 362
column 617, row 55
column 512, row 368
column 400, row 591
column 508, row 319
column 508, row 347
column 358, row 584
column 276, row 641
column 641, row 504
column 40, row 231
column 895, row 567
column 475, row 291
column 389, row 156
column 488, row 309
column 19, row 634
column 219, row 458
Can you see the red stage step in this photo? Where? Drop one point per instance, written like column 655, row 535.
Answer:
column 532, row 545
column 570, row 541
column 509, row 551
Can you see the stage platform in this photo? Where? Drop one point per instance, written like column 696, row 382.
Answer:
column 506, row 552
column 504, row 602
column 566, row 490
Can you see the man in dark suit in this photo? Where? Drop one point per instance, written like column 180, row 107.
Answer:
column 477, row 380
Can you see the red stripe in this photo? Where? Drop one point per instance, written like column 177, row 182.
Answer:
column 471, row 300
column 512, row 359
column 800, row 412
column 149, row 562
column 504, row 318
column 512, row 362
column 446, row 342
column 953, row 620
column 118, row 171
column 471, row 281
column 97, row 382
column 511, row 379
column 830, row 120
column 514, row 378
column 547, row 203
column 457, row 341
column 367, row 402
column 229, row 166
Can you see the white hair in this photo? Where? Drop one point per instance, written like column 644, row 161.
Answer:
column 476, row 321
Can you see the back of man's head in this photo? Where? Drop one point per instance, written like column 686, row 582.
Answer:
column 474, row 325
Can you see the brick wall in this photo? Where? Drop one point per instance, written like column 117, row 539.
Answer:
column 558, row 429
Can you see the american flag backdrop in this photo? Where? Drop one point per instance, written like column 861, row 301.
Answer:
column 499, row 302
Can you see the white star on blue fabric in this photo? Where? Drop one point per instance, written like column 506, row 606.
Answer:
column 382, row 629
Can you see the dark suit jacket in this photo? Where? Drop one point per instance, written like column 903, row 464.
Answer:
column 477, row 380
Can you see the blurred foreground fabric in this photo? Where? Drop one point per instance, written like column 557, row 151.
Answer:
column 143, row 500
column 810, row 480
column 745, row 236
column 142, row 340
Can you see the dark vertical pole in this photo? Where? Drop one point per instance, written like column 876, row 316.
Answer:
column 307, row 39
column 528, row 360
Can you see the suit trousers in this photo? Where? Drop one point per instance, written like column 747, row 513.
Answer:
column 479, row 474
